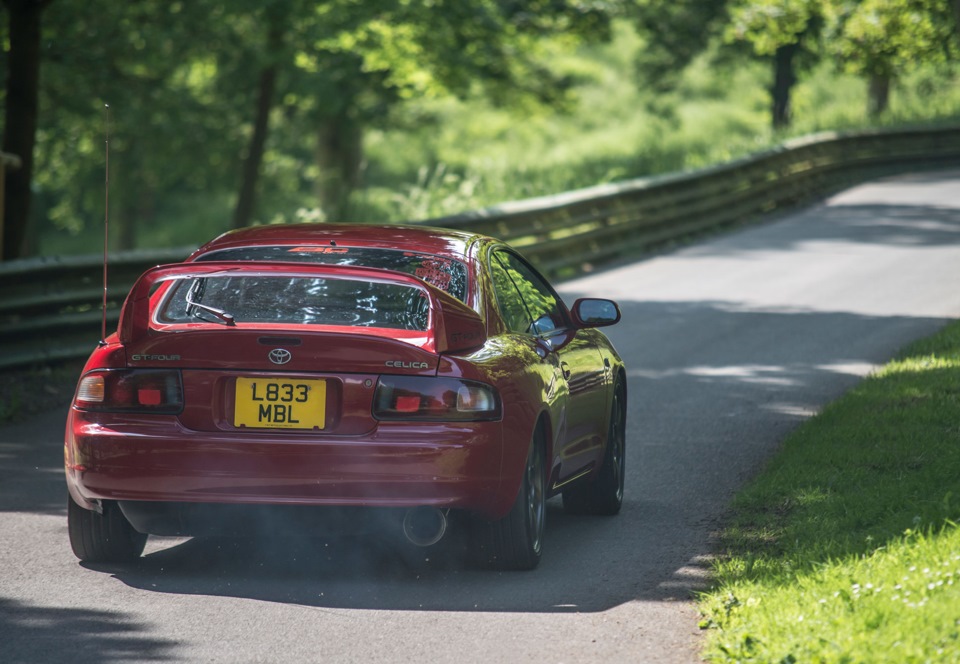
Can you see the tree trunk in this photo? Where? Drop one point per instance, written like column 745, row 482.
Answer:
column 339, row 156
column 20, row 122
column 784, row 78
column 126, row 224
column 247, row 199
column 135, row 206
column 879, row 94
column 135, row 214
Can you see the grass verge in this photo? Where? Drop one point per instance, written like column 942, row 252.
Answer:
column 847, row 549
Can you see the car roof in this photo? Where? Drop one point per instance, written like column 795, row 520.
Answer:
column 438, row 241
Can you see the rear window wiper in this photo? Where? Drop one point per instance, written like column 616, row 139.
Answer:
column 193, row 302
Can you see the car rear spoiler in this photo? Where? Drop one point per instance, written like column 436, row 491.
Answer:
column 454, row 326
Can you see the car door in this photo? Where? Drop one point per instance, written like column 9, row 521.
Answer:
column 530, row 306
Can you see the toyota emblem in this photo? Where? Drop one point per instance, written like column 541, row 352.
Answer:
column 280, row 356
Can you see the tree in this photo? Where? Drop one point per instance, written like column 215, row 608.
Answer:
column 172, row 130
column 20, row 120
column 276, row 19
column 878, row 39
column 334, row 69
column 874, row 38
column 783, row 30
column 674, row 33
column 357, row 63
column 780, row 31
column 255, row 98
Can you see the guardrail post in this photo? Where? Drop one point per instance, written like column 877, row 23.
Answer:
column 7, row 162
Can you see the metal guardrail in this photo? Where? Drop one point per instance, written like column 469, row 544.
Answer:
column 50, row 307
column 607, row 222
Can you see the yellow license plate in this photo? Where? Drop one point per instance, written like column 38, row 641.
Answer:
column 280, row 404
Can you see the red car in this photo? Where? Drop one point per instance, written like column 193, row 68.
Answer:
column 320, row 374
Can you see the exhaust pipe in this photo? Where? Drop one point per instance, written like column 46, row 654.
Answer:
column 424, row 526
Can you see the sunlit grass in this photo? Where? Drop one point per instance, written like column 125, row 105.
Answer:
column 845, row 549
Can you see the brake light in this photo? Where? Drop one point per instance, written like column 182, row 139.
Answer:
column 409, row 403
column 131, row 391
column 438, row 399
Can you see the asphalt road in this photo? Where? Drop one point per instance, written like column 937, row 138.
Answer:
column 730, row 344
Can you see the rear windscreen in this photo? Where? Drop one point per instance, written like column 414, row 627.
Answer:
column 447, row 274
column 295, row 300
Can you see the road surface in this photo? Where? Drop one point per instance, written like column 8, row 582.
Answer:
column 730, row 343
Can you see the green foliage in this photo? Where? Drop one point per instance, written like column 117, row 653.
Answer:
column 454, row 156
column 674, row 33
column 181, row 79
column 876, row 37
column 424, row 115
column 169, row 129
column 887, row 37
column 846, row 548
column 769, row 24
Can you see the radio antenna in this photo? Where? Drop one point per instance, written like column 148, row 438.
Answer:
column 106, row 223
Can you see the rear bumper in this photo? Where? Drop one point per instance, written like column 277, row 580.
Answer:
column 155, row 458
column 240, row 520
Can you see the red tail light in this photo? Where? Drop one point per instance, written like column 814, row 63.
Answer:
column 131, row 391
column 438, row 399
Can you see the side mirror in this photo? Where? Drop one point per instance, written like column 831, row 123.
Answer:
column 594, row 312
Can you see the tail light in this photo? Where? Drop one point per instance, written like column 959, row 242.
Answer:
column 131, row 391
column 438, row 399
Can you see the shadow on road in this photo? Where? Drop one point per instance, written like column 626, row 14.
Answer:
column 581, row 572
column 31, row 463
column 706, row 408
column 877, row 224
column 45, row 634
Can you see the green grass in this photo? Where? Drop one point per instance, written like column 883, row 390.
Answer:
column 846, row 548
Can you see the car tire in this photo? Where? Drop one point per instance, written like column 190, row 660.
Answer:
column 604, row 495
column 515, row 542
column 103, row 538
